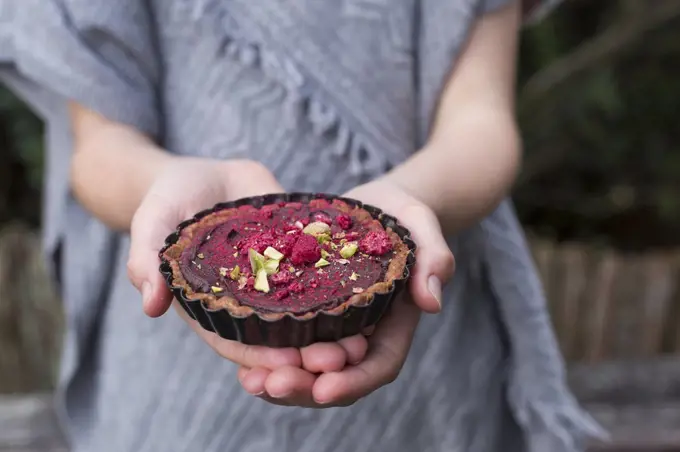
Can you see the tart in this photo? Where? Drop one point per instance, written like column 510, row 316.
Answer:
column 289, row 269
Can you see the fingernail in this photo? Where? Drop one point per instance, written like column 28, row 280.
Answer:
column 280, row 396
column 242, row 376
column 435, row 287
column 368, row 331
column 146, row 292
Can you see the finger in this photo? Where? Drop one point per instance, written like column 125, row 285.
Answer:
column 250, row 356
column 323, row 357
column 333, row 356
column 388, row 348
column 434, row 261
column 151, row 224
column 292, row 386
column 273, row 401
column 355, row 347
column 253, row 380
column 241, row 373
column 310, row 404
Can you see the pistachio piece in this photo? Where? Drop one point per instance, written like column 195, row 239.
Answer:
column 353, row 276
column 235, row 254
column 216, row 289
column 256, row 260
column 325, row 254
column 273, row 253
column 321, row 263
column 242, row 282
column 291, row 269
column 357, row 290
column 271, row 266
column 223, row 271
column 235, row 273
column 261, row 283
column 317, row 228
column 343, row 283
column 348, row 250
column 334, row 246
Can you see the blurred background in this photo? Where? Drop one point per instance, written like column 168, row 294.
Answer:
column 599, row 96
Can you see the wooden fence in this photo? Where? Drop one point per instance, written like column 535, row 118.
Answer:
column 30, row 315
column 610, row 306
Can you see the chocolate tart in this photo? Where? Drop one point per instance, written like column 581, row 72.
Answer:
column 288, row 270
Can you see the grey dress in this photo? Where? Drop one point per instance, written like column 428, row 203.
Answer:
column 346, row 88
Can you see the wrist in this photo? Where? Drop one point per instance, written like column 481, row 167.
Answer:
column 245, row 166
column 238, row 173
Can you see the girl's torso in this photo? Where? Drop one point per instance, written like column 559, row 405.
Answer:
column 224, row 96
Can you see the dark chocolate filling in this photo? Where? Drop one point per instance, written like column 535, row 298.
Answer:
column 208, row 262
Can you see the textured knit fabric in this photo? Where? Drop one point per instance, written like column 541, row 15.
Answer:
column 328, row 95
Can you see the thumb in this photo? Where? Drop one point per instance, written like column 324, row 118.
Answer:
column 435, row 264
column 150, row 226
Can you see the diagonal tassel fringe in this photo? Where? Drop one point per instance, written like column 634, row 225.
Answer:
column 364, row 158
column 562, row 427
column 537, row 391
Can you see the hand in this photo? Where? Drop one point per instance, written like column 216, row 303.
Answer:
column 184, row 187
column 388, row 346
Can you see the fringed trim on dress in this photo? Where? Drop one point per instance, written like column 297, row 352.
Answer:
column 365, row 159
column 537, row 390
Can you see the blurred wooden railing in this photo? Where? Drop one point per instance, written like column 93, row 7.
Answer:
column 610, row 306
column 617, row 318
column 30, row 314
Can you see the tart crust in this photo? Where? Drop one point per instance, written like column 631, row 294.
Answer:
column 396, row 268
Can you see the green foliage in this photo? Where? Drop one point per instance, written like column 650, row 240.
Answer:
column 602, row 145
column 25, row 135
column 21, row 140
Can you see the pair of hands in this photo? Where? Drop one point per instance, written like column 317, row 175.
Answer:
column 322, row 374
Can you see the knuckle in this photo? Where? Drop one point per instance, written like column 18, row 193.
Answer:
column 391, row 377
column 448, row 262
column 137, row 220
column 132, row 272
column 393, row 362
column 393, row 372
column 443, row 262
column 415, row 210
column 221, row 348
column 247, row 357
column 219, row 352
